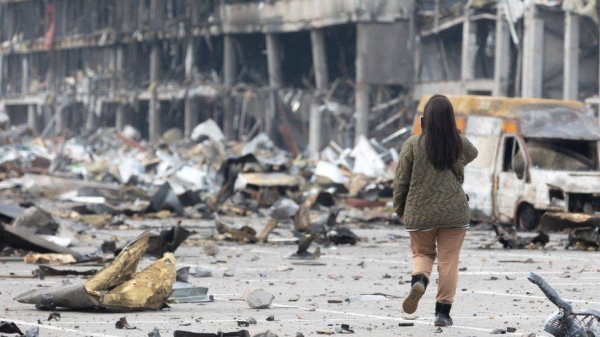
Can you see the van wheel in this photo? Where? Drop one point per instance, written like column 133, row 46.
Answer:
column 527, row 218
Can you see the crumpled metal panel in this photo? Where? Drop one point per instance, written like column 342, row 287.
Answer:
column 557, row 122
column 147, row 289
column 72, row 297
column 121, row 268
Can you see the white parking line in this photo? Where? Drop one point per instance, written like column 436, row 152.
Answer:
column 530, row 296
column 386, row 318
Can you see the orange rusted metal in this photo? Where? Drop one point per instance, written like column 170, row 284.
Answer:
column 493, row 106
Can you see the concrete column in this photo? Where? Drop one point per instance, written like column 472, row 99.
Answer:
column 469, row 48
column 154, row 122
column 189, row 109
column 533, row 57
column 190, row 60
column 275, row 80
column 121, row 117
column 362, row 106
column 362, row 100
column 229, row 77
column 120, row 64
column 501, row 55
column 24, row 74
column 91, row 121
column 190, row 116
column 1, row 72
column 32, row 119
column 319, row 56
column 274, row 60
column 60, row 120
column 571, row 57
column 155, row 63
column 154, row 127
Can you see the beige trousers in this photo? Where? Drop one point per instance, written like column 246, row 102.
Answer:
column 423, row 246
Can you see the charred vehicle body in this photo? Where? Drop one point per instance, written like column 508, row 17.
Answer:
column 536, row 157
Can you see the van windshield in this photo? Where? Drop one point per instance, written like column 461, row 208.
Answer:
column 563, row 155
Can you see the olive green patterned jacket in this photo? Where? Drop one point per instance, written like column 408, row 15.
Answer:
column 428, row 197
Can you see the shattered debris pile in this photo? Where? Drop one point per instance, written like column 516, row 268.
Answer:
column 103, row 178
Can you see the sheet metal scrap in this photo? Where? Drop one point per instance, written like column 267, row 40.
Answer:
column 44, row 271
column 188, row 293
column 560, row 221
column 584, row 238
column 244, row 234
column 510, row 240
column 21, row 239
column 167, row 241
column 117, row 287
column 10, row 327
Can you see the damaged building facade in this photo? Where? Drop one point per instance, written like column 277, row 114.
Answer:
column 306, row 72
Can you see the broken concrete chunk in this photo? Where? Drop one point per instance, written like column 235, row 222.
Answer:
column 33, row 332
column 208, row 129
column 328, row 174
column 283, row 209
column 258, row 299
column 36, row 221
column 344, row 329
column 498, row 332
column 211, row 249
column 154, row 333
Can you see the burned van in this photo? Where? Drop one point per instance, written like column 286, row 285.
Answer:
column 535, row 156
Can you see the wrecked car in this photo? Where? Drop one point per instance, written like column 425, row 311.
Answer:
column 536, row 156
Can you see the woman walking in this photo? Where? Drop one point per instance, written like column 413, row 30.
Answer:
column 428, row 196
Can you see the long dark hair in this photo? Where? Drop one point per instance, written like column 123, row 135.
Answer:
column 442, row 141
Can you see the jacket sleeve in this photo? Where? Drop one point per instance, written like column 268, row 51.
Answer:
column 402, row 178
column 469, row 151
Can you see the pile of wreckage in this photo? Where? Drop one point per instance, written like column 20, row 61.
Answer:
column 111, row 174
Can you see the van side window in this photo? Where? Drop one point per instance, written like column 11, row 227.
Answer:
column 508, row 154
column 513, row 159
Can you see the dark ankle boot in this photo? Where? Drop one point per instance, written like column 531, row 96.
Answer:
column 442, row 314
column 418, row 285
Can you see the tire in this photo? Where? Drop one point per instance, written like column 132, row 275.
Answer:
column 527, row 218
